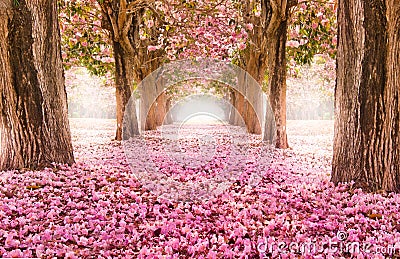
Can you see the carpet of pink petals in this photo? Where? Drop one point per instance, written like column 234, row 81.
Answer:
column 97, row 208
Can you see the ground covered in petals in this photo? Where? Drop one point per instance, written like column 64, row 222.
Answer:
column 269, row 202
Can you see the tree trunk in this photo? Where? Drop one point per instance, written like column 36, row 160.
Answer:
column 168, row 118
column 34, row 127
column 277, row 83
column 133, row 61
column 151, row 119
column 249, row 110
column 239, row 114
column 161, row 110
column 232, row 112
column 158, row 109
column 267, row 52
column 366, row 143
column 123, row 90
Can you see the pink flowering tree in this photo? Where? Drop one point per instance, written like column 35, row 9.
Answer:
column 312, row 31
column 311, row 28
column 135, row 38
column 84, row 42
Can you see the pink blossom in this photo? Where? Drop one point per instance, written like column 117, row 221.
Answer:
column 293, row 43
column 149, row 23
column 249, row 26
column 152, row 48
column 242, row 46
column 17, row 253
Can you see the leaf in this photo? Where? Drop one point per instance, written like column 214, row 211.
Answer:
column 374, row 216
column 397, row 228
column 157, row 232
column 8, row 194
column 33, row 187
column 112, row 179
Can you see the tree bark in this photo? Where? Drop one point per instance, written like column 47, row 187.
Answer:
column 123, row 90
column 239, row 114
column 232, row 112
column 161, row 110
column 158, row 108
column 249, row 108
column 366, row 143
column 236, row 114
column 168, row 117
column 266, row 53
column 151, row 119
column 34, row 127
column 277, row 82
column 133, row 61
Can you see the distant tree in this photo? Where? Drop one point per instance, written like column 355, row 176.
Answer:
column 34, row 128
column 133, row 38
column 367, row 124
column 265, row 53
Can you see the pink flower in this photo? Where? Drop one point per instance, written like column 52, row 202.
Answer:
column 212, row 255
column 83, row 241
column 334, row 40
column 250, row 26
column 242, row 46
column 293, row 43
column 168, row 250
column 150, row 23
column 314, row 25
column 10, row 241
column 15, row 253
column 70, row 255
column 151, row 48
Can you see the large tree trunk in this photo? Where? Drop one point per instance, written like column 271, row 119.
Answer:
column 366, row 144
column 277, row 83
column 391, row 178
column 151, row 118
column 124, row 80
column 254, row 66
column 34, row 127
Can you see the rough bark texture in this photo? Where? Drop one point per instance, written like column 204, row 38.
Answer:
column 158, row 108
column 237, row 110
column 391, row 178
column 34, row 127
column 252, row 122
column 239, row 105
column 161, row 110
column 151, row 119
column 277, row 82
column 366, row 144
column 123, row 90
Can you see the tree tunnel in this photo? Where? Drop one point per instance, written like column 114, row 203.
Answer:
column 250, row 103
